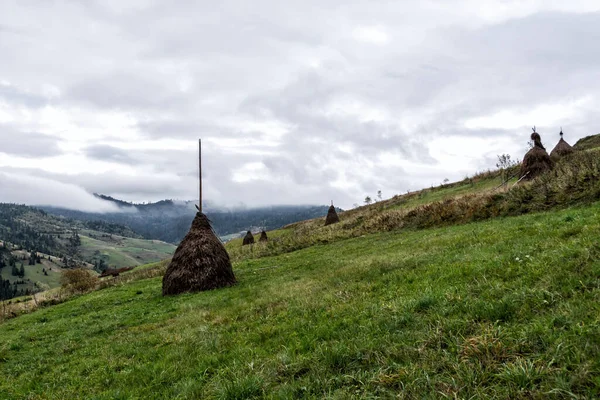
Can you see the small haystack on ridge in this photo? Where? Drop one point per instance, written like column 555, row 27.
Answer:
column 263, row 236
column 332, row 217
column 248, row 239
column 561, row 149
column 536, row 161
column 199, row 263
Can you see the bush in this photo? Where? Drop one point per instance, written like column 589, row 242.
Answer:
column 78, row 280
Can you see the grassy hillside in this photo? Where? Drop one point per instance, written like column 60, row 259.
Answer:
column 28, row 229
column 574, row 180
column 506, row 308
column 467, row 290
column 588, row 142
column 120, row 251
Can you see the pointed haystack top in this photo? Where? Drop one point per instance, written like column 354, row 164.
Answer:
column 263, row 236
column 248, row 239
column 199, row 263
column 332, row 216
column 536, row 160
column 537, row 140
column 561, row 149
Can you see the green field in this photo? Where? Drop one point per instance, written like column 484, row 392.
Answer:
column 117, row 251
column 507, row 308
column 34, row 278
column 120, row 251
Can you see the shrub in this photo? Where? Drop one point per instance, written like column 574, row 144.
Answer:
column 78, row 280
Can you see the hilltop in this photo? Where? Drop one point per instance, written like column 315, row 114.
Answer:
column 468, row 290
column 588, row 143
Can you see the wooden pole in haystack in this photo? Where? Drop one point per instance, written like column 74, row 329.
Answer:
column 200, row 173
column 200, row 261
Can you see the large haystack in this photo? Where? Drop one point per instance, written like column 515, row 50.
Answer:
column 263, row 237
column 536, row 161
column 248, row 239
column 561, row 149
column 332, row 217
column 199, row 263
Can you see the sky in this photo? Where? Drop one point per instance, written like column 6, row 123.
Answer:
column 298, row 102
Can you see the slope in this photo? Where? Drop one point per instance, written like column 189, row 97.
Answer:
column 118, row 251
column 588, row 143
column 28, row 229
column 506, row 308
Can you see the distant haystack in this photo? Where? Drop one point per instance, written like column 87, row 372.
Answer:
column 561, row 149
column 248, row 239
column 199, row 263
column 332, row 217
column 263, row 237
column 536, row 161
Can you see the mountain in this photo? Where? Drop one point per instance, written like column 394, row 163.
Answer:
column 169, row 220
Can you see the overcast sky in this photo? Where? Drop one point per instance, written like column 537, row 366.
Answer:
column 296, row 102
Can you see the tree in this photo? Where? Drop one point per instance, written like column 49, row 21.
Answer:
column 368, row 200
column 379, row 195
column 78, row 280
column 504, row 163
column 21, row 272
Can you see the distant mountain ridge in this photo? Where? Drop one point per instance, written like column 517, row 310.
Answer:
column 169, row 220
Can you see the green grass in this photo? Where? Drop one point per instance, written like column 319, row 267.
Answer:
column 439, row 193
column 575, row 180
column 34, row 273
column 506, row 308
column 121, row 251
column 588, row 142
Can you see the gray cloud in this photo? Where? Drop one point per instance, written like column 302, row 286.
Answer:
column 28, row 144
column 14, row 95
column 105, row 152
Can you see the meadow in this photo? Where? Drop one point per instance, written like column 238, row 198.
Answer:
column 506, row 308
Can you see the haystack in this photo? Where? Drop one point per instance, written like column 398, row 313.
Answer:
column 561, row 149
column 263, row 237
column 536, row 161
column 248, row 239
column 332, row 217
column 199, row 263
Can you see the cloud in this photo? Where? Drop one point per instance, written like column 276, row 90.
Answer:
column 320, row 101
column 28, row 189
column 13, row 95
column 28, row 144
column 109, row 153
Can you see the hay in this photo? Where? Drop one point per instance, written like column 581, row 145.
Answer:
column 199, row 263
column 248, row 239
column 561, row 149
column 263, row 237
column 536, row 161
column 332, row 217
column 537, row 140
